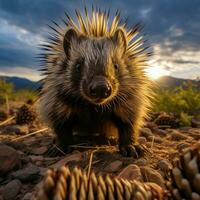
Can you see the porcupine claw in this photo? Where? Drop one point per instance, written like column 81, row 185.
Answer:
column 134, row 150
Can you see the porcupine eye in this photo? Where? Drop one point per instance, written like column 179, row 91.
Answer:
column 78, row 67
column 116, row 66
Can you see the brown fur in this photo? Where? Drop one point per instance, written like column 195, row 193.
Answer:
column 111, row 54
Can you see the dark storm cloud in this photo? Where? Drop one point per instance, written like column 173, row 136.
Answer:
column 14, row 52
column 174, row 21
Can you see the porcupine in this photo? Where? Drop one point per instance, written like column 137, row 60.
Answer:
column 95, row 79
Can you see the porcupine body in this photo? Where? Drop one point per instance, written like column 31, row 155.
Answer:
column 95, row 80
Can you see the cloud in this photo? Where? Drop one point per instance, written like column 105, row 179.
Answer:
column 183, row 62
column 172, row 27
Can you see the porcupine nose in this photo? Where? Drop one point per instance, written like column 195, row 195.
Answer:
column 100, row 88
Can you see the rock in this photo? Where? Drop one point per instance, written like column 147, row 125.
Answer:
column 141, row 162
column 48, row 140
column 9, row 159
column 114, row 166
column 43, row 171
column 11, row 190
column 151, row 175
column 142, row 140
column 16, row 129
column 1, row 190
column 16, row 145
column 182, row 146
column 27, row 196
column 150, row 125
column 36, row 158
column 131, row 172
column 155, row 139
column 160, row 132
column 164, row 165
column 3, row 115
column 195, row 123
column 146, row 132
column 73, row 157
column 24, row 158
column 39, row 150
column 28, row 174
column 177, row 136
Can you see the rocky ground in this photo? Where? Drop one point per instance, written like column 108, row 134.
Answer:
column 25, row 155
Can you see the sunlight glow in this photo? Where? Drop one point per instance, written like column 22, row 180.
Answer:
column 156, row 72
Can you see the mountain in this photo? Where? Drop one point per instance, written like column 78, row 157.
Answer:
column 21, row 83
column 163, row 82
column 172, row 82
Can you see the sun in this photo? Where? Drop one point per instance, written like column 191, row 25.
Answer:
column 156, row 72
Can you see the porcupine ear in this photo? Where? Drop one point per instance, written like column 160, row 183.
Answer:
column 68, row 37
column 119, row 39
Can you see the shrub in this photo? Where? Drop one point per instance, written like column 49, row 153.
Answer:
column 184, row 99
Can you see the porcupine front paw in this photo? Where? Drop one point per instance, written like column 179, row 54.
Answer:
column 131, row 150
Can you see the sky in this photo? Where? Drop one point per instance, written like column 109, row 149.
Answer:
column 172, row 27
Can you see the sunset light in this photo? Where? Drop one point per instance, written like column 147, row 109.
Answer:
column 156, row 72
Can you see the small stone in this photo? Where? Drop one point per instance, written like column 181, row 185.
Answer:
column 150, row 125
column 141, row 162
column 27, row 196
column 9, row 159
column 3, row 115
column 155, row 139
column 28, row 174
column 160, row 132
column 146, row 132
column 43, row 171
column 36, row 158
column 47, row 141
column 182, row 146
column 195, row 123
column 16, row 129
column 1, row 190
column 131, row 172
column 151, row 175
column 11, row 190
column 177, row 136
column 142, row 140
column 66, row 159
column 16, row 145
column 39, row 150
column 114, row 166
column 25, row 159
column 164, row 165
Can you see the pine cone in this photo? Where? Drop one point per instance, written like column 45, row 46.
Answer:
column 185, row 176
column 3, row 115
column 64, row 184
column 25, row 115
column 165, row 119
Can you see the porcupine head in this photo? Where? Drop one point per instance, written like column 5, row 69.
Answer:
column 101, row 78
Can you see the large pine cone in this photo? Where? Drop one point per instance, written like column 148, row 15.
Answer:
column 165, row 119
column 25, row 115
column 185, row 176
column 64, row 184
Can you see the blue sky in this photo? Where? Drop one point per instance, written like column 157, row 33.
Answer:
column 171, row 26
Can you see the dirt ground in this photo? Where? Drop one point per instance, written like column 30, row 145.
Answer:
column 28, row 150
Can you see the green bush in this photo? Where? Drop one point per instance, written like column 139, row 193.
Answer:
column 24, row 95
column 8, row 93
column 184, row 99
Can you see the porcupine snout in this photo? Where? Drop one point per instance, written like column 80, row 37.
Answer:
column 100, row 88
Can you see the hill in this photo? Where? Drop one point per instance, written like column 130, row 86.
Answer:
column 169, row 82
column 21, row 83
column 166, row 82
